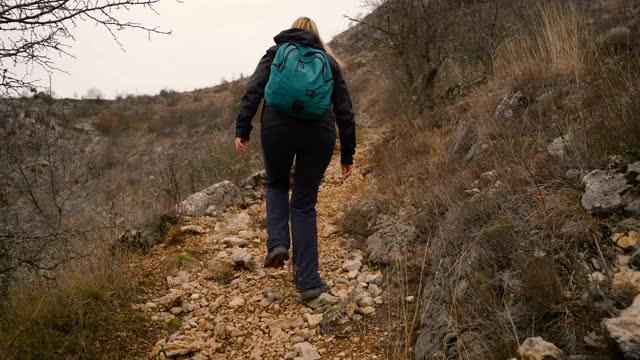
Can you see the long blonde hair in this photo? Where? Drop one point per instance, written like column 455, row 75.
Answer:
column 306, row 23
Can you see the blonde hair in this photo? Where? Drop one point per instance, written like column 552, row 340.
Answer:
column 306, row 23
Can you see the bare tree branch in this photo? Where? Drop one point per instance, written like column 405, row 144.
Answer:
column 30, row 31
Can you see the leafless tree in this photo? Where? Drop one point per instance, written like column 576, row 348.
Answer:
column 31, row 31
column 423, row 35
column 41, row 180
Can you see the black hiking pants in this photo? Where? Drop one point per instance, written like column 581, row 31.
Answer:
column 310, row 144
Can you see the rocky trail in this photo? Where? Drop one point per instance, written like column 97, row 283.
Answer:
column 206, row 281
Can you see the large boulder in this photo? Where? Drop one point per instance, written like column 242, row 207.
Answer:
column 213, row 200
column 390, row 241
column 610, row 192
column 624, row 331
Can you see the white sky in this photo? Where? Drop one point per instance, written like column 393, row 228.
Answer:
column 211, row 40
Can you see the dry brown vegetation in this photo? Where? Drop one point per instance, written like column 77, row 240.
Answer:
column 68, row 192
column 513, row 260
column 85, row 313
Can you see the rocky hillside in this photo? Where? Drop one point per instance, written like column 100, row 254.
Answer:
column 494, row 213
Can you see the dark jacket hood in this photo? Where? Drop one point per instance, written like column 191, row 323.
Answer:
column 299, row 36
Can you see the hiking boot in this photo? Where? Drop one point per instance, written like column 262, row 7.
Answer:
column 276, row 257
column 310, row 294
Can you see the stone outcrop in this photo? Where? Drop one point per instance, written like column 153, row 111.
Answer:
column 610, row 192
column 624, row 331
column 213, row 200
column 388, row 244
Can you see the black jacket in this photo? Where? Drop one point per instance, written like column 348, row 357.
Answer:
column 342, row 107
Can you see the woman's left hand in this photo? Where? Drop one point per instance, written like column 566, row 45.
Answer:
column 242, row 146
column 346, row 171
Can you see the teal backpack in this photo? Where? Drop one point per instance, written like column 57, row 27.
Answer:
column 301, row 82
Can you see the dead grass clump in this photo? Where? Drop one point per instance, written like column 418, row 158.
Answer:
column 220, row 271
column 556, row 46
column 356, row 221
column 177, row 233
column 180, row 261
column 76, row 317
column 541, row 291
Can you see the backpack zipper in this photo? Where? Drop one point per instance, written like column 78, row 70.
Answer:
column 286, row 57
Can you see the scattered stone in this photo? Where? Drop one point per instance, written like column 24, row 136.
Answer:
column 217, row 303
column 306, row 351
column 279, row 325
column 366, row 301
column 488, row 178
column 235, row 242
column 236, row 302
column 374, row 279
column 323, row 299
column 256, row 353
column 181, row 348
column 170, row 300
column 625, row 281
column 374, row 290
column 352, row 265
column 558, row 147
column 195, row 297
column 176, row 310
column 512, row 103
column 536, row 348
column 193, row 229
column 313, row 319
column 183, row 277
column 367, row 311
column 281, row 274
column 626, row 241
column 221, row 330
column 243, row 258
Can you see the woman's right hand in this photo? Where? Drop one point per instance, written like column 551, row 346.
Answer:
column 346, row 171
column 242, row 146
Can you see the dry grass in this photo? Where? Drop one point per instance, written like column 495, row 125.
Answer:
column 516, row 259
column 180, row 261
column 557, row 47
column 76, row 317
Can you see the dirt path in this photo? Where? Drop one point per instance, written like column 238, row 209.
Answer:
column 223, row 305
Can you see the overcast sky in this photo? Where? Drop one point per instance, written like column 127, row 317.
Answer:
column 211, row 40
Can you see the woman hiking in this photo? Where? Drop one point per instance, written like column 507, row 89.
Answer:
column 301, row 82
